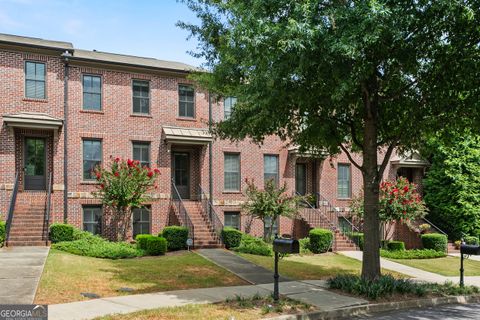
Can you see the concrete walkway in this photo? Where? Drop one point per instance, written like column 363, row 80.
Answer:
column 476, row 258
column 244, row 269
column 20, row 272
column 312, row 292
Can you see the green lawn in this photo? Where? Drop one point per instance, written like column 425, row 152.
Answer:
column 448, row 266
column 308, row 267
column 66, row 275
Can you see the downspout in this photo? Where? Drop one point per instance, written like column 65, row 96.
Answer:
column 66, row 55
column 210, row 153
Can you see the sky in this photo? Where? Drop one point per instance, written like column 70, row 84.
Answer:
column 136, row 27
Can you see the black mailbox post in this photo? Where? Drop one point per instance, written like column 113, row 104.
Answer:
column 282, row 245
column 468, row 250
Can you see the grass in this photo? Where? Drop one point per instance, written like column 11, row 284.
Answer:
column 448, row 266
column 238, row 309
column 66, row 275
column 311, row 267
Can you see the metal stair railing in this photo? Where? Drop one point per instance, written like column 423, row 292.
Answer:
column 182, row 212
column 47, row 209
column 13, row 200
column 209, row 212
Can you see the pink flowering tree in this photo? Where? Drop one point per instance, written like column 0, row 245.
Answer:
column 124, row 185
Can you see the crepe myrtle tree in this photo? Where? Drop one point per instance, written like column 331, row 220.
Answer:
column 123, row 185
column 339, row 75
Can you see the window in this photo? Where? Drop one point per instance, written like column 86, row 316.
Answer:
column 267, row 226
column 141, row 152
column 141, row 221
column 344, row 181
column 232, row 219
column 92, row 219
column 270, row 168
column 231, row 172
column 301, row 178
column 92, row 157
column 92, row 93
column 186, row 99
column 228, row 105
column 141, row 96
column 35, row 80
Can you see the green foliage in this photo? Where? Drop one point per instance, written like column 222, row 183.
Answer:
column 305, row 246
column 387, row 286
column 412, row 254
column 435, row 241
column 358, row 238
column 452, row 186
column 176, row 237
column 61, row 232
column 471, row 240
column 253, row 245
column 142, row 240
column 156, row 246
column 269, row 204
column 396, row 246
column 2, row 233
column 231, row 237
column 320, row 240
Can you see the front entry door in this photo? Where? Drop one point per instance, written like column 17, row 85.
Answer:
column 35, row 164
column 301, row 178
column 181, row 173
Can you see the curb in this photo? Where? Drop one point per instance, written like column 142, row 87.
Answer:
column 379, row 307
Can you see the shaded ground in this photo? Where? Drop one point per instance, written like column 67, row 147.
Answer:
column 446, row 312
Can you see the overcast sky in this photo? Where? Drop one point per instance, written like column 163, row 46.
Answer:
column 136, row 27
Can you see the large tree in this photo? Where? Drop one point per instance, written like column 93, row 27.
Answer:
column 353, row 76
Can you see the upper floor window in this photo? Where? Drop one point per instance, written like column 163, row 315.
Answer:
column 141, row 152
column 92, row 92
column 92, row 157
column 270, row 168
column 344, row 182
column 231, row 172
column 141, row 96
column 92, row 219
column 186, row 101
column 35, row 80
column 228, row 105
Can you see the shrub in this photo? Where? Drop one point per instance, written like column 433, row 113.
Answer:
column 358, row 238
column 320, row 240
column 231, row 237
column 176, row 237
column 396, row 246
column 80, row 234
column 61, row 232
column 412, row 254
column 435, row 241
column 253, row 245
column 156, row 245
column 471, row 240
column 457, row 244
column 305, row 246
column 2, row 233
column 142, row 240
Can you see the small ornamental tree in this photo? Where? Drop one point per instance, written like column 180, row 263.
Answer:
column 123, row 185
column 269, row 204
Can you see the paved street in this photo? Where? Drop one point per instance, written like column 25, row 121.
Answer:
column 446, row 312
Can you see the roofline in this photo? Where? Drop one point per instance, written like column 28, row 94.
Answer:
column 37, row 46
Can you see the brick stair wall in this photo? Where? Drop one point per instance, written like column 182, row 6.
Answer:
column 28, row 225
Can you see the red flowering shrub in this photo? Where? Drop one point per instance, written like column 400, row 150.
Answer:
column 123, row 185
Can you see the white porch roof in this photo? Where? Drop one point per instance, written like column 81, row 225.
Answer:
column 410, row 159
column 183, row 135
column 34, row 120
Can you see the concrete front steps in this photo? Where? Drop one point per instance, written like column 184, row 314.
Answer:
column 28, row 223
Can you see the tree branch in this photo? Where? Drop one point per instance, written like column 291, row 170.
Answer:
column 349, row 156
column 386, row 159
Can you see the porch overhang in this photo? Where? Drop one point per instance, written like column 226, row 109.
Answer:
column 295, row 151
column 182, row 135
column 409, row 160
column 32, row 120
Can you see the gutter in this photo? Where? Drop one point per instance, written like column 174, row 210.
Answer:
column 66, row 56
column 210, row 151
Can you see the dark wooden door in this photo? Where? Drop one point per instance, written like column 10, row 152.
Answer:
column 181, row 173
column 35, row 164
column 301, row 178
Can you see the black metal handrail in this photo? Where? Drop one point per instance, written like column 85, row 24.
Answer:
column 435, row 227
column 209, row 212
column 182, row 212
column 13, row 200
column 47, row 208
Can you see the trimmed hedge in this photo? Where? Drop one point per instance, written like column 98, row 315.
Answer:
column 304, row 246
column 412, row 254
column 93, row 246
column 358, row 238
column 142, row 240
column 471, row 240
column 156, row 245
column 61, row 232
column 231, row 237
column 253, row 245
column 435, row 241
column 2, row 232
column 396, row 246
column 320, row 240
column 176, row 237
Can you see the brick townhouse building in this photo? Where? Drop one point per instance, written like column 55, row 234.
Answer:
column 65, row 110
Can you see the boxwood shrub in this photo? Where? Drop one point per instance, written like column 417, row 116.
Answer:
column 252, row 245
column 471, row 240
column 231, row 237
column 2, row 233
column 61, row 232
column 358, row 238
column 176, row 237
column 435, row 241
column 304, row 246
column 412, row 254
column 320, row 240
column 156, row 245
column 396, row 246
column 142, row 240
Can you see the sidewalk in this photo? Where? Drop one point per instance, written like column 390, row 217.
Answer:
column 312, row 292
column 20, row 272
